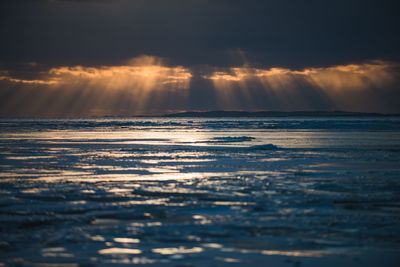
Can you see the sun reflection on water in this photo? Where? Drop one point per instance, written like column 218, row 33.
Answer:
column 225, row 196
column 119, row 251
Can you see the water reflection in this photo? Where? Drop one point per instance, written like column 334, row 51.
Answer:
column 220, row 191
column 126, row 240
column 56, row 252
column 119, row 251
column 178, row 250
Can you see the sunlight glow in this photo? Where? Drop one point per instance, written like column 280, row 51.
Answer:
column 35, row 81
column 146, row 85
column 342, row 85
column 335, row 77
column 120, row 251
column 126, row 240
column 139, row 86
column 178, row 250
column 144, row 72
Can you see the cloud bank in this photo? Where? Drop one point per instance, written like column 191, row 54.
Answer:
column 358, row 87
column 147, row 85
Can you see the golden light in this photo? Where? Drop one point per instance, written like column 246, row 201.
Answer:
column 135, row 87
column 284, row 84
column 144, row 73
column 147, row 85
column 24, row 81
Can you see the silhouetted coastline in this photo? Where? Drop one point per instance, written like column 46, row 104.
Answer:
column 252, row 114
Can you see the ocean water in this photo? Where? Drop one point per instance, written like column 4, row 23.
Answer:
column 200, row 192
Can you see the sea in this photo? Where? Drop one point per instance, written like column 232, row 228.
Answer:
column 284, row 191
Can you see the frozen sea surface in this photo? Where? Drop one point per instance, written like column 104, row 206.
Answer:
column 200, row 192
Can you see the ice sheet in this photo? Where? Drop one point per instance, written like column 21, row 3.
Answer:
column 200, row 192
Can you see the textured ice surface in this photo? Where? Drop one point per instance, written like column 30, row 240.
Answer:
column 200, row 192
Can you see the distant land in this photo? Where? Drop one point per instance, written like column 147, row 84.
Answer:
column 222, row 113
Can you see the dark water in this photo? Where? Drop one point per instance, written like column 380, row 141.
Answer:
column 200, row 192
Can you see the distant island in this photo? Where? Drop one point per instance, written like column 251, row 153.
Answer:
column 222, row 113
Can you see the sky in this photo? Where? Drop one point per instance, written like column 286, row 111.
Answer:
column 70, row 58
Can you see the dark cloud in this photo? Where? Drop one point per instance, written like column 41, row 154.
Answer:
column 200, row 38
column 272, row 33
